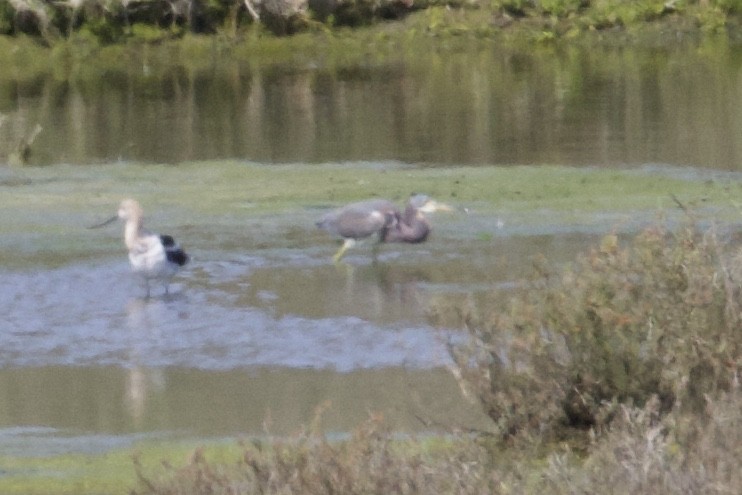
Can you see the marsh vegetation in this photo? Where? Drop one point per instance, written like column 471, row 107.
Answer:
column 618, row 373
column 572, row 365
column 111, row 21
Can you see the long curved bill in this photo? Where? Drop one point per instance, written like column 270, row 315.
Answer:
column 103, row 224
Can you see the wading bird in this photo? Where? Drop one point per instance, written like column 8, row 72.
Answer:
column 357, row 221
column 152, row 256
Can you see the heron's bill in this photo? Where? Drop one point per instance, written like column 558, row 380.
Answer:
column 104, row 223
column 432, row 206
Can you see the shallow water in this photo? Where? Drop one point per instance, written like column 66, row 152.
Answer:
column 261, row 327
column 261, row 324
column 297, row 312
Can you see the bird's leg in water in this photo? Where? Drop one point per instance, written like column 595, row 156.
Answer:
column 347, row 244
column 375, row 250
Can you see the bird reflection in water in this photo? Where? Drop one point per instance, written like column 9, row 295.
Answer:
column 383, row 292
column 141, row 380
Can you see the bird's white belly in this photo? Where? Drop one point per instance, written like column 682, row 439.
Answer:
column 150, row 261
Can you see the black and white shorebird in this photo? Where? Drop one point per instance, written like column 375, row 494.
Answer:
column 152, row 256
column 363, row 219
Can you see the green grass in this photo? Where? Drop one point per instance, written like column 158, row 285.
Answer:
column 54, row 204
column 228, row 187
column 111, row 473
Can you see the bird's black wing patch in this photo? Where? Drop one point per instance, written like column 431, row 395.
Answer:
column 167, row 240
column 177, row 256
column 173, row 252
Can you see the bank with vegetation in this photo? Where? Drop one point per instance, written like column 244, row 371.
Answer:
column 111, row 21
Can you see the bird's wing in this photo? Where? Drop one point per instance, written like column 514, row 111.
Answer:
column 173, row 252
column 167, row 240
column 359, row 220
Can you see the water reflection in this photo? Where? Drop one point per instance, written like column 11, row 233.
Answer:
column 143, row 393
column 59, row 317
column 382, row 292
column 141, row 381
column 594, row 106
column 247, row 337
column 216, row 403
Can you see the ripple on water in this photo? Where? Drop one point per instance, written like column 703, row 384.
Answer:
column 34, row 441
column 90, row 315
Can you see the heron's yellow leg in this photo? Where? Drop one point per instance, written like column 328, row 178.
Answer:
column 349, row 243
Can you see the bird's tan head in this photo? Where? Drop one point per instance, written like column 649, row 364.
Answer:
column 130, row 209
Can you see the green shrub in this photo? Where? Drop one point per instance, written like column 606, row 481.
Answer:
column 562, row 8
column 730, row 6
column 712, row 20
column 517, row 8
column 604, row 14
column 656, row 317
column 643, row 452
column 6, row 18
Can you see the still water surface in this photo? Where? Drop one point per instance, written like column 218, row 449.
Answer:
column 574, row 106
column 243, row 338
column 274, row 332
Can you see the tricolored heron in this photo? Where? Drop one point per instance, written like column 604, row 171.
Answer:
column 382, row 217
column 152, row 256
